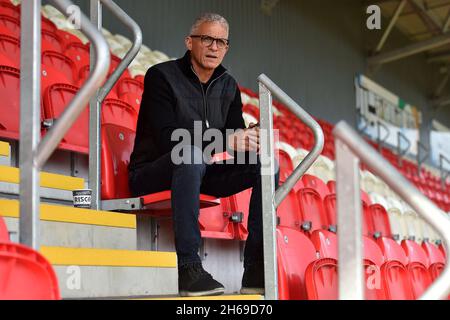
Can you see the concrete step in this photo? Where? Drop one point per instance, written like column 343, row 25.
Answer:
column 5, row 154
column 53, row 186
column 100, row 273
column 65, row 226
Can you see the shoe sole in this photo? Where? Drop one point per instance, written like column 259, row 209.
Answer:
column 259, row 291
column 214, row 292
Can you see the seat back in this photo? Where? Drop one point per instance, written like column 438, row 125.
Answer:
column 295, row 253
column 215, row 222
column 4, row 234
column 61, row 63
column 10, row 93
column 325, row 243
column 119, row 113
column 288, row 212
column 322, row 280
column 396, row 281
column 25, row 274
column 117, row 146
column 10, row 49
column 56, row 99
column 380, row 220
column 10, row 26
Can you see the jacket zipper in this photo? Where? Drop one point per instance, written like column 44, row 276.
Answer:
column 205, row 102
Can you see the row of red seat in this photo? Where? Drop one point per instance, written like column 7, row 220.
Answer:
column 308, row 267
column 24, row 273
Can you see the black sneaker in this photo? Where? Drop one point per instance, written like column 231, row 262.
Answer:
column 253, row 280
column 194, row 281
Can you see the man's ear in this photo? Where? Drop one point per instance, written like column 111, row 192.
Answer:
column 188, row 42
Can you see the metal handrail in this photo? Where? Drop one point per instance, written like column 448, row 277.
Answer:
column 81, row 100
column 131, row 54
column 380, row 141
column 421, row 160
column 400, row 152
column 348, row 141
column 35, row 153
column 444, row 172
column 271, row 199
column 95, row 118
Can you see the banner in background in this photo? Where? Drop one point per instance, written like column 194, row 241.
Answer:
column 440, row 144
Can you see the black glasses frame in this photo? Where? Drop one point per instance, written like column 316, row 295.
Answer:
column 208, row 41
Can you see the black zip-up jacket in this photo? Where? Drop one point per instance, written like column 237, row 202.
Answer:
column 174, row 98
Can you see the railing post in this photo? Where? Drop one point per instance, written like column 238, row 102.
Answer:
column 268, row 191
column 421, row 204
column 400, row 152
column 421, row 159
column 379, row 140
column 351, row 286
column 444, row 172
column 94, row 119
column 30, row 114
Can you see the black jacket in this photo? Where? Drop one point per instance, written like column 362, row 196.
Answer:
column 174, row 98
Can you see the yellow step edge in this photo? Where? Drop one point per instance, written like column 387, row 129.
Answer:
column 224, row 297
column 48, row 180
column 4, row 149
column 59, row 256
column 57, row 213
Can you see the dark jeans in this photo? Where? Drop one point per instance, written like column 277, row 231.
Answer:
column 187, row 181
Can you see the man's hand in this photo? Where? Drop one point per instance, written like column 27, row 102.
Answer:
column 245, row 140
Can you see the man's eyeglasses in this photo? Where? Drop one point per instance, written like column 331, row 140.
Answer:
column 208, row 41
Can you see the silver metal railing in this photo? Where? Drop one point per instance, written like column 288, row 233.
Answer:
column 401, row 152
column 381, row 141
column 271, row 199
column 34, row 155
column 95, row 118
column 421, row 158
column 444, row 172
column 350, row 148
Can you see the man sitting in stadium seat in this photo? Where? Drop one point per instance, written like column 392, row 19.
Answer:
column 197, row 88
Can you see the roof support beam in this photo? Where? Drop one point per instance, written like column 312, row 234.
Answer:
column 391, row 25
column 432, row 21
column 409, row 50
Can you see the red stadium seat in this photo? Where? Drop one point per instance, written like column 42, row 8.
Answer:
column 67, row 38
column 380, row 219
column 61, row 63
column 115, row 61
column 417, row 267
column 82, row 77
column 295, row 253
column 286, row 166
column 78, row 53
column 26, row 275
column 128, row 85
column 48, row 25
column 8, row 9
column 322, row 280
column 9, row 26
column 119, row 113
column 130, row 91
column 216, row 222
column 311, row 205
column 315, row 183
column 394, row 274
column 51, row 42
column 373, row 260
column 326, row 244
column 56, row 99
column 10, row 93
column 288, row 212
column 4, row 235
column 241, row 203
column 435, row 258
column 117, row 145
column 10, row 49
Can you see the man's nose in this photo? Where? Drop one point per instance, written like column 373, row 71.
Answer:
column 214, row 46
